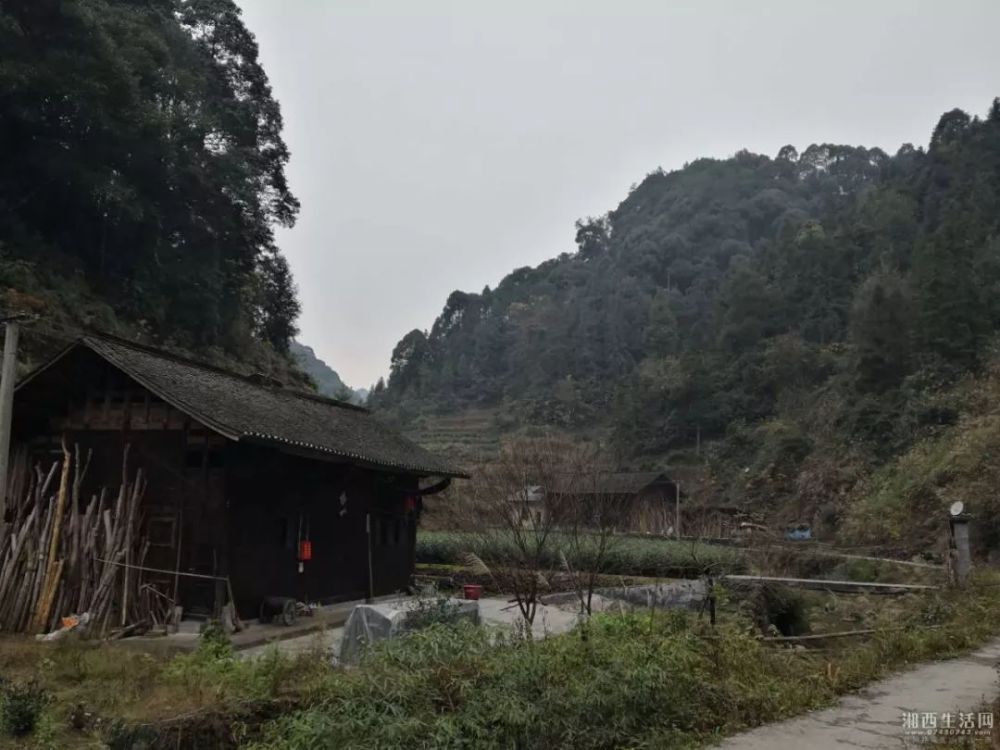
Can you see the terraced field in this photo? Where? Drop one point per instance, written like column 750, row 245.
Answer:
column 469, row 438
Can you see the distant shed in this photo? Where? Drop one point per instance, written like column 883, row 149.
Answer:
column 240, row 472
column 652, row 503
column 647, row 497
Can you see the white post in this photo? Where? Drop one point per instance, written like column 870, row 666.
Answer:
column 8, row 372
column 963, row 556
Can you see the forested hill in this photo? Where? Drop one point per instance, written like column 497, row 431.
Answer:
column 768, row 306
column 143, row 176
column 328, row 382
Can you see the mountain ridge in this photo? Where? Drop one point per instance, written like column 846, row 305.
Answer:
column 785, row 327
column 328, row 382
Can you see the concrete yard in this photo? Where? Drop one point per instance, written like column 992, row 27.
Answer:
column 493, row 612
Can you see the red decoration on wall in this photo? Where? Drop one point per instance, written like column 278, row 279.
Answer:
column 305, row 550
column 411, row 503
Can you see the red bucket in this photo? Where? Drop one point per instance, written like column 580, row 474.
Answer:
column 472, row 591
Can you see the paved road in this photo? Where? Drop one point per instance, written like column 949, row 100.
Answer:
column 873, row 717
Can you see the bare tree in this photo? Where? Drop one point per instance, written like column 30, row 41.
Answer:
column 595, row 512
column 542, row 507
column 514, row 520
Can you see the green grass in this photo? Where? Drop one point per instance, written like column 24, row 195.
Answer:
column 637, row 681
column 641, row 680
column 632, row 556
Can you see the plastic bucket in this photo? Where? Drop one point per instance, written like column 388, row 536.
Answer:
column 472, row 590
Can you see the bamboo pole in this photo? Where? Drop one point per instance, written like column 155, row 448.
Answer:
column 53, row 570
column 50, row 561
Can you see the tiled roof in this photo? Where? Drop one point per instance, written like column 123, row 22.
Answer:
column 618, row 483
column 244, row 409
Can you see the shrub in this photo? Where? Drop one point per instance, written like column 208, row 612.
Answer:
column 639, row 680
column 439, row 610
column 777, row 608
column 213, row 675
column 21, row 704
column 213, row 643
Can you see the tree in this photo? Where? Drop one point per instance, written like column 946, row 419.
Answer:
column 881, row 318
column 594, row 514
column 661, row 333
column 788, row 153
column 408, row 360
column 344, row 394
column 950, row 128
column 148, row 131
column 951, row 316
column 278, row 303
column 514, row 519
column 747, row 305
column 593, row 236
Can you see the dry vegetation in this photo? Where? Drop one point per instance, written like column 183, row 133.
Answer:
column 642, row 679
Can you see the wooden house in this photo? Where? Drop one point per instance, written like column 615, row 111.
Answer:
column 647, row 502
column 646, row 499
column 284, row 493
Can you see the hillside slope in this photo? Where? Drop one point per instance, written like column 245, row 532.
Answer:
column 328, row 382
column 786, row 325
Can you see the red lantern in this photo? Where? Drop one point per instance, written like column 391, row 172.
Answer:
column 305, row 550
column 411, row 504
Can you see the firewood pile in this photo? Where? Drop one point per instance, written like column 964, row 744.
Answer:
column 62, row 554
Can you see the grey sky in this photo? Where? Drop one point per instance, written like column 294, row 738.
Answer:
column 440, row 149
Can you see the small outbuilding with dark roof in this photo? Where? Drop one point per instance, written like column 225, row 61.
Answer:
column 647, row 499
column 240, row 472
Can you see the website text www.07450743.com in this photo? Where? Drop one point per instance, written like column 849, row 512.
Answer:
column 934, row 725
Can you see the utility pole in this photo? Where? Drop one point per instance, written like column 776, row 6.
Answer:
column 8, row 372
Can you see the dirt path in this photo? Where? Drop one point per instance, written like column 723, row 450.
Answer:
column 873, row 717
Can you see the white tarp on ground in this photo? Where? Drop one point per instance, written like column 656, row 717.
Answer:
column 370, row 623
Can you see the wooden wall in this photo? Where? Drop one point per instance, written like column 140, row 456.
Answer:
column 217, row 507
column 276, row 500
column 100, row 410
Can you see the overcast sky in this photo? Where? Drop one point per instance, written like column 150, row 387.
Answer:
column 441, row 149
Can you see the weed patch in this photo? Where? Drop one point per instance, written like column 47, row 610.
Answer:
column 638, row 680
column 21, row 705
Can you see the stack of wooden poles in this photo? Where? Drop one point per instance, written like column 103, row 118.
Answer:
column 64, row 555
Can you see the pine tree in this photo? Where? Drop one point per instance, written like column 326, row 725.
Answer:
column 952, row 319
column 881, row 331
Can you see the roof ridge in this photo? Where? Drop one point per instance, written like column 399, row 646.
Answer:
column 190, row 361
column 608, row 473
